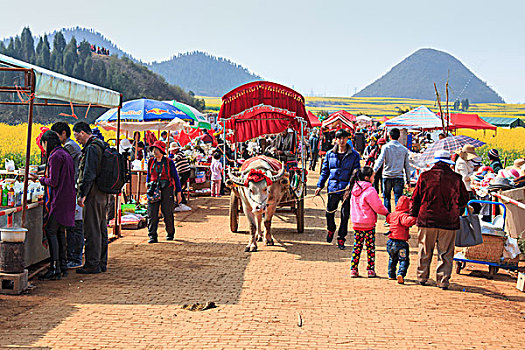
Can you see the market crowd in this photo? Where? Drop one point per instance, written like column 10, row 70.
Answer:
column 355, row 166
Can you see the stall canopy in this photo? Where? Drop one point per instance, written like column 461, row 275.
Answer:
column 418, row 118
column 314, row 121
column 468, row 121
column 56, row 86
column 339, row 119
column 343, row 114
column 505, row 122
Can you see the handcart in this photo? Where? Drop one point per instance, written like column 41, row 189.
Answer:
column 490, row 252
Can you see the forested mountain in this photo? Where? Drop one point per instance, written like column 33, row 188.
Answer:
column 197, row 71
column 77, row 60
column 203, row 74
column 414, row 77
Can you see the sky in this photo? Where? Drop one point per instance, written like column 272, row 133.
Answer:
column 327, row 48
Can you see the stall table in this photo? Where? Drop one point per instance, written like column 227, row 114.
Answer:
column 34, row 250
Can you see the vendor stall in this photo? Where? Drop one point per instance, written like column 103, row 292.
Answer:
column 35, row 86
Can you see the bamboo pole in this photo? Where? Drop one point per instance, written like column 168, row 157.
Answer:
column 440, row 109
column 448, row 113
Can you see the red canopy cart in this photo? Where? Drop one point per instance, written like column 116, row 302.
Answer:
column 265, row 108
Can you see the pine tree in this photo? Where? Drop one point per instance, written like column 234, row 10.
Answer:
column 46, row 53
column 27, row 46
column 57, row 56
column 70, row 56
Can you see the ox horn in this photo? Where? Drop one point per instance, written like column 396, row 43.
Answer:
column 277, row 176
column 235, row 179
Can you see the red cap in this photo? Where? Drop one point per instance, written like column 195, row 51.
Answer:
column 381, row 141
column 160, row 145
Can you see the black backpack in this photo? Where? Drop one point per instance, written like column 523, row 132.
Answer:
column 113, row 170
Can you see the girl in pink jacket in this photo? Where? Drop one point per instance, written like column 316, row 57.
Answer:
column 364, row 207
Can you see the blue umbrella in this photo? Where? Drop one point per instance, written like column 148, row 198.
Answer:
column 145, row 110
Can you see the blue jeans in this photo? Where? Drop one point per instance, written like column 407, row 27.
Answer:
column 388, row 186
column 75, row 242
column 398, row 252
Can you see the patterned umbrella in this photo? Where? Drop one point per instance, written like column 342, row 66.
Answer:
column 451, row 144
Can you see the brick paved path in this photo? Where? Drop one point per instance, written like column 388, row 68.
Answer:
column 137, row 303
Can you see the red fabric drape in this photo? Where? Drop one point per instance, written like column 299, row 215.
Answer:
column 261, row 92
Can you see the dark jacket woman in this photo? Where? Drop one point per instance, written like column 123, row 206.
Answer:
column 59, row 202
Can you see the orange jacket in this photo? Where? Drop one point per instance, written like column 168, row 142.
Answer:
column 400, row 221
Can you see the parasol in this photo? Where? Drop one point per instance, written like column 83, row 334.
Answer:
column 451, row 144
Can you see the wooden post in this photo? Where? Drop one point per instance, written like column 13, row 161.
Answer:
column 440, row 109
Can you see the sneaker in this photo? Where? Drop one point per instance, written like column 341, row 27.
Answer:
column 73, row 265
column 354, row 274
column 422, row 283
column 179, row 208
column 371, row 274
column 330, row 236
column 169, row 238
column 444, row 287
column 386, row 224
column 341, row 244
column 152, row 240
column 400, row 279
column 391, row 278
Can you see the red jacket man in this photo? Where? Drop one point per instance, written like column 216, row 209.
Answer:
column 437, row 200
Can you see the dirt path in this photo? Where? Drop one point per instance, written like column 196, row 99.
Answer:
column 260, row 296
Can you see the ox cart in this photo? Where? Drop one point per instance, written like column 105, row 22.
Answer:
column 261, row 109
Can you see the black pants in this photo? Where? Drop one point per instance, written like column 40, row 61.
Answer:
column 166, row 206
column 313, row 161
column 56, row 237
column 184, row 184
column 96, row 229
column 333, row 202
column 378, row 180
column 75, row 242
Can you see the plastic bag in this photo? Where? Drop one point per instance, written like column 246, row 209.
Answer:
column 9, row 165
column 511, row 249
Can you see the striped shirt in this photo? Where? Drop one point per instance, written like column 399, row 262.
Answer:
column 181, row 163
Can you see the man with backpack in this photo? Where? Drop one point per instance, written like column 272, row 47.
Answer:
column 92, row 199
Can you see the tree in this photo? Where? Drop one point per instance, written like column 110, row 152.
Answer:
column 456, row 105
column 27, row 46
column 57, row 56
column 46, row 53
column 70, row 56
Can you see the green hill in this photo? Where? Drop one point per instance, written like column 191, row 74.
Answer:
column 203, row 74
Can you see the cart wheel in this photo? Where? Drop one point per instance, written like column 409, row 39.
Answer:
column 493, row 270
column 458, row 267
column 234, row 212
column 299, row 215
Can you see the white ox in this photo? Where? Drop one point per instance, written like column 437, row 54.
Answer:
column 261, row 185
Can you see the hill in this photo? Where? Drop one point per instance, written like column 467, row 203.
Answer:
column 75, row 59
column 203, row 74
column 414, row 78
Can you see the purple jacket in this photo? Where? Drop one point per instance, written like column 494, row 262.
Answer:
column 60, row 187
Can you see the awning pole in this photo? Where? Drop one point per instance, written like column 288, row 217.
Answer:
column 117, row 196
column 31, row 77
column 224, row 153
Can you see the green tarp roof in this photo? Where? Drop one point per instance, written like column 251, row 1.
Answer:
column 505, row 122
column 56, row 86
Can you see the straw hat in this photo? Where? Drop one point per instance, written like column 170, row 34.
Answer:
column 468, row 152
column 173, row 146
column 519, row 163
